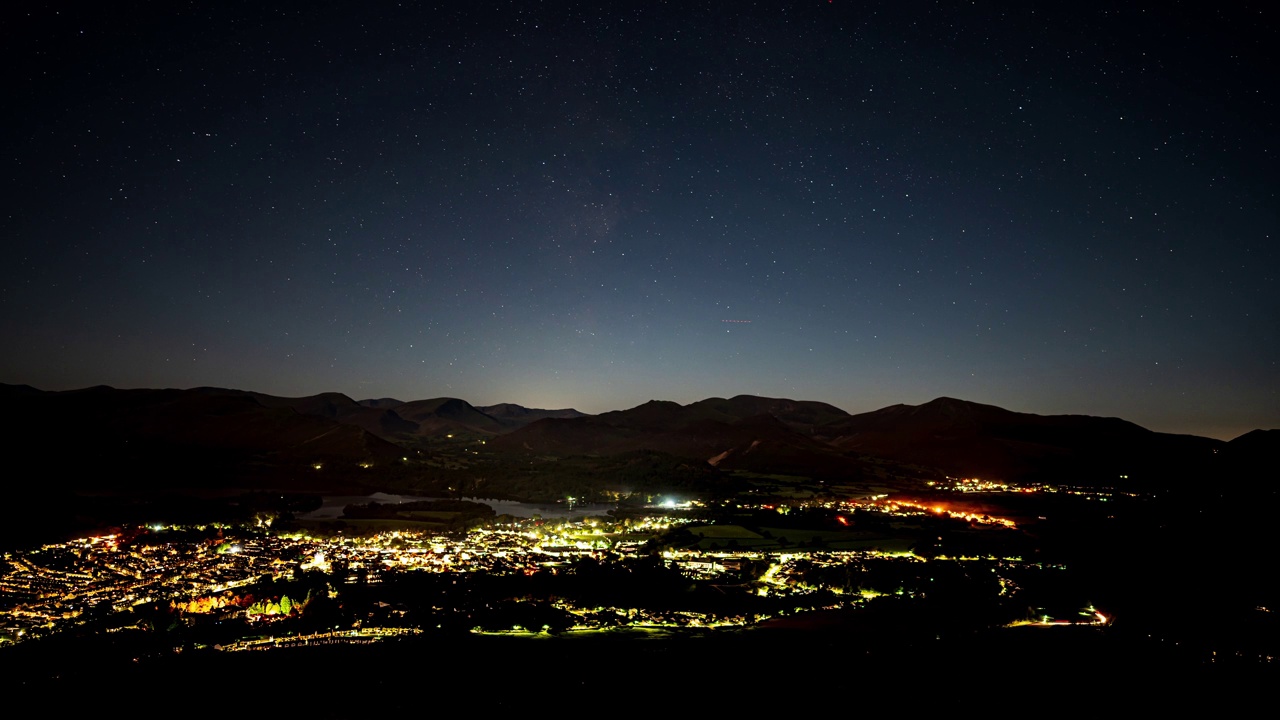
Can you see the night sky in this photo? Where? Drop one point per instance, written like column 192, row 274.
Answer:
column 1059, row 209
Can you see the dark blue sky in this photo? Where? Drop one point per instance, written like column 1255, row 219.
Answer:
column 1060, row 209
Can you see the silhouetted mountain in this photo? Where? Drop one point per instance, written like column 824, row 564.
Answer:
column 952, row 436
column 971, row 439
column 215, row 431
column 710, row 432
column 515, row 416
column 407, row 422
column 1257, row 441
column 102, row 438
column 398, row 421
column 1251, row 459
column 800, row 415
column 14, row 391
column 440, row 416
column 767, row 444
column 386, row 424
column 382, row 403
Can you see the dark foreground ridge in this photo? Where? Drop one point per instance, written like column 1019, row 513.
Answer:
column 751, row 671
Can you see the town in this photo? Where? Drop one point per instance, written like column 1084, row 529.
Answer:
column 241, row 587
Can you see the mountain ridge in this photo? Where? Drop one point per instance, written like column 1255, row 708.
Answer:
column 744, row 432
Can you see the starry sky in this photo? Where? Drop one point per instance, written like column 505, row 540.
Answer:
column 1067, row 208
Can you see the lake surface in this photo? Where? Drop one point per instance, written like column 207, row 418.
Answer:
column 331, row 506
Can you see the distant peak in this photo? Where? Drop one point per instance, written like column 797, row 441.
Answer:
column 1257, row 436
column 950, row 404
column 381, row 403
